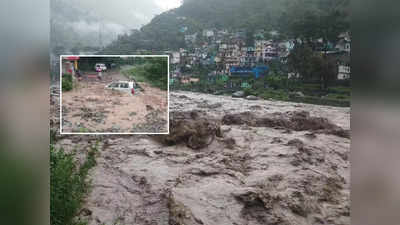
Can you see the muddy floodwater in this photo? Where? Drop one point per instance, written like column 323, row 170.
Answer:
column 92, row 108
column 226, row 162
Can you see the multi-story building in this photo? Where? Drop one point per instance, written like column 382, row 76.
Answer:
column 247, row 56
column 265, row 50
column 260, row 49
column 270, row 52
column 344, row 72
column 232, row 56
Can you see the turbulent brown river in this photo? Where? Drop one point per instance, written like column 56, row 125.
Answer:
column 227, row 161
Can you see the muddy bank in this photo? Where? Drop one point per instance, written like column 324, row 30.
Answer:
column 215, row 170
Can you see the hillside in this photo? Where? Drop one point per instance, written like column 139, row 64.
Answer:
column 164, row 31
column 291, row 18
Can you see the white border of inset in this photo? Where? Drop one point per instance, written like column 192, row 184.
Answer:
column 96, row 133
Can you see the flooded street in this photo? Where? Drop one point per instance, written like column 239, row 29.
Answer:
column 90, row 107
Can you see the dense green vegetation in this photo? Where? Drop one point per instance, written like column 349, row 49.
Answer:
column 68, row 185
column 278, row 88
column 152, row 70
column 67, row 83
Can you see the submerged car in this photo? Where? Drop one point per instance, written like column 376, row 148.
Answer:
column 125, row 86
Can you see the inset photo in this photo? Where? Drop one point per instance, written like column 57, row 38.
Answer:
column 127, row 94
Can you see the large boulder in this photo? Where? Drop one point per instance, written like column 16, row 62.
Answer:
column 252, row 97
column 238, row 94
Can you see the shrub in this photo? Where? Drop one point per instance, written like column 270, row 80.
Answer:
column 250, row 91
column 276, row 81
column 67, row 83
column 274, row 94
column 68, row 185
column 154, row 72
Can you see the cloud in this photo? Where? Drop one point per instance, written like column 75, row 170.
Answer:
column 129, row 13
column 168, row 4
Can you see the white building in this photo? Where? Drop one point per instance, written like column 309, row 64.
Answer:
column 344, row 72
column 293, row 75
column 344, row 43
column 176, row 57
column 191, row 37
column 208, row 33
column 223, row 46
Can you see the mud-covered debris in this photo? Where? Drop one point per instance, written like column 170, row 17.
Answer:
column 255, row 107
column 192, row 129
column 183, row 97
column 204, row 172
column 92, row 99
column 153, row 123
column 297, row 121
column 310, row 135
column 303, row 197
column 338, row 132
column 209, row 106
column 149, row 108
column 179, row 214
column 296, row 143
column 238, row 119
column 229, row 143
column 276, row 140
column 239, row 163
column 301, row 120
column 307, row 155
column 258, row 205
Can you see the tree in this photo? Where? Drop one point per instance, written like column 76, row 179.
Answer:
column 299, row 61
column 324, row 69
column 312, row 19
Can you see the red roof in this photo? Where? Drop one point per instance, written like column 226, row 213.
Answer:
column 72, row 58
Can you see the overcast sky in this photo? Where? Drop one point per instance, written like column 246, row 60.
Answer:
column 130, row 13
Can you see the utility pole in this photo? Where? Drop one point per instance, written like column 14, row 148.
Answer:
column 100, row 37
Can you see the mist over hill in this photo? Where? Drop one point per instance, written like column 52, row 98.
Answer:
column 81, row 25
column 75, row 27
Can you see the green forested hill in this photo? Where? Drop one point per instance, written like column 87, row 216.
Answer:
column 234, row 14
column 294, row 18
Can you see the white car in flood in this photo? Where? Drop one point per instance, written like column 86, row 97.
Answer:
column 124, row 86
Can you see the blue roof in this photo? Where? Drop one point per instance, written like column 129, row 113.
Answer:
column 245, row 71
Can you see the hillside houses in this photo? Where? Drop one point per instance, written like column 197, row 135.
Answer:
column 344, row 43
column 208, row 33
column 191, row 38
column 225, row 49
